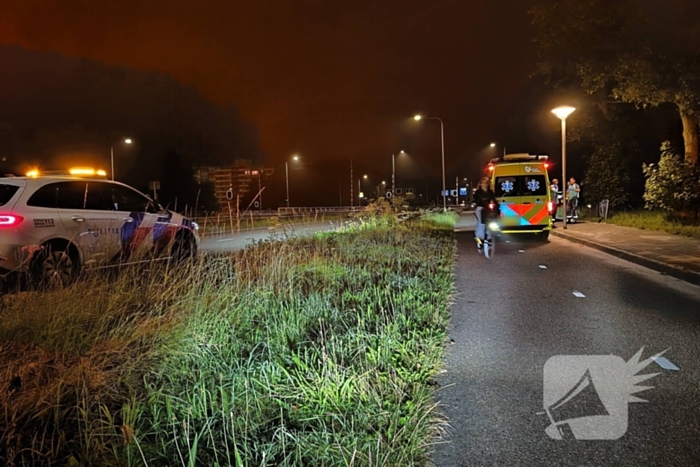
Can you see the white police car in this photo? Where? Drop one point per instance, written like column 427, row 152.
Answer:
column 53, row 226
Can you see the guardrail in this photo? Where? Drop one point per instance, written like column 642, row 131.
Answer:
column 319, row 210
column 229, row 222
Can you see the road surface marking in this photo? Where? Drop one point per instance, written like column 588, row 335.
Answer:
column 664, row 363
column 542, row 266
column 579, row 295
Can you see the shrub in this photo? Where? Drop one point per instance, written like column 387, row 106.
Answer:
column 607, row 176
column 673, row 185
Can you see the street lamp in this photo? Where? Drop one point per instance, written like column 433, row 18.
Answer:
column 442, row 140
column 493, row 145
column 286, row 171
column 393, row 172
column 111, row 152
column 563, row 112
column 359, row 189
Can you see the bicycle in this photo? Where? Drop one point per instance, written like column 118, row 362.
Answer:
column 487, row 246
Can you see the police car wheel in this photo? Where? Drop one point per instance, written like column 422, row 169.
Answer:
column 54, row 267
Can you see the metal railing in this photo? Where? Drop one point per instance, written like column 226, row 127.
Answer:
column 319, row 210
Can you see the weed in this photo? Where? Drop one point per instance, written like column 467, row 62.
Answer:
column 312, row 351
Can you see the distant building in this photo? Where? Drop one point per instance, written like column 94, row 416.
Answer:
column 242, row 179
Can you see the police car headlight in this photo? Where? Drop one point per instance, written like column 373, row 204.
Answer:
column 195, row 226
column 493, row 226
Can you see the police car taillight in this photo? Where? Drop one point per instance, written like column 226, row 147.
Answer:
column 10, row 220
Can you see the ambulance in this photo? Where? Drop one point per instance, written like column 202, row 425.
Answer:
column 521, row 184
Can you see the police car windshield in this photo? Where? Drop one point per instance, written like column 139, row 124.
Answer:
column 521, row 185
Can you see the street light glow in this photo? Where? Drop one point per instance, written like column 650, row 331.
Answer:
column 417, row 117
column 493, row 145
column 365, row 177
column 127, row 140
column 296, row 158
column 563, row 111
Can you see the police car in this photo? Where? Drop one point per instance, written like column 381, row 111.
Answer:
column 53, row 225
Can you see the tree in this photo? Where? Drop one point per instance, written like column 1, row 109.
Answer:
column 607, row 176
column 178, row 187
column 641, row 52
column 673, row 185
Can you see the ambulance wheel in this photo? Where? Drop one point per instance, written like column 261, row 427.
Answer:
column 544, row 236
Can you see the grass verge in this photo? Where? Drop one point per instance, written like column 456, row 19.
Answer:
column 655, row 221
column 225, row 224
column 315, row 351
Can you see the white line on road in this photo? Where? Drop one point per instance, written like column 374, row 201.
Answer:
column 664, row 363
column 579, row 295
column 542, row 266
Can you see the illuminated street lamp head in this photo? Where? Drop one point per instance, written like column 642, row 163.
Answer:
column 383, row 182
column 365, row 177
column 296, row 158
column 493, row 145
column 417, row 117
column 563, row 111
column 127, row 140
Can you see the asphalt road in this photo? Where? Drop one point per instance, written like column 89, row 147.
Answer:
column 510, row 316
column 224, row 243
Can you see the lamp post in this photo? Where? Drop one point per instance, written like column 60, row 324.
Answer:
column 286, row 171
column 493, row 145
column 563, row 112
column 359, row 190
column 111, row 152
column 442, row 141
column 393, row 172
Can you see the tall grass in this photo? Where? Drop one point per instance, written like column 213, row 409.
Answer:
column 655, row 221
column 316, row 351
column 225, row 223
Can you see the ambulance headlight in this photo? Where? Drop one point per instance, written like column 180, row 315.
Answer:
column 493, row 226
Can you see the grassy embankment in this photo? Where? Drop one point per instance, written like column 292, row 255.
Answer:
column 655, row 221
column 316, row 351
column 225, row 224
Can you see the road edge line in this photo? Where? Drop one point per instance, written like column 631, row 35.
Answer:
column 682, row 274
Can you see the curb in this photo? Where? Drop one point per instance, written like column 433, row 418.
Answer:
column 682, row 274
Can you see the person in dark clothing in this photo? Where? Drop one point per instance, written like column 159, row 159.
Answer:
column 483, row 197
